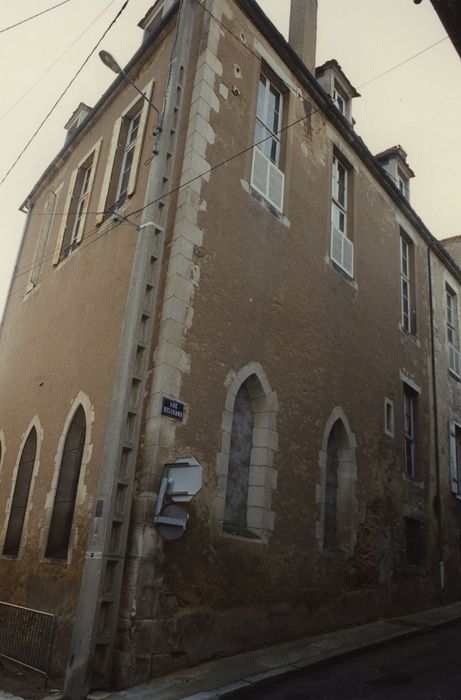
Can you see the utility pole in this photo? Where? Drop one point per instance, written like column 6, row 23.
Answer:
column 95, row 627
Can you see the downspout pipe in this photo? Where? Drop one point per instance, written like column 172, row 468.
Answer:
column 438, row 497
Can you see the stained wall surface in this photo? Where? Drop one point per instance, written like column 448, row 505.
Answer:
column 259, row 299
column 59, row 348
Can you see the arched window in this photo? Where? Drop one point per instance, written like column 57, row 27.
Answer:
column 338, row 502
column 66, row 490
column 245, row 465
column 20, row 496
column 235, row 512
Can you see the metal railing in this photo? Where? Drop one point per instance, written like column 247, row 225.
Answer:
column 27, row 636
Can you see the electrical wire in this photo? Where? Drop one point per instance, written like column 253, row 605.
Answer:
column 135, row 212
column 50, row 112
column 23, row 21
column 258, row 57
column 31, row 87
column 402, row 63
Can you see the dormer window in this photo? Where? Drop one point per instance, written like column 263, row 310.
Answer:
column 394, row 162
column 76, row 119
column 331, row 77
column 154, row 16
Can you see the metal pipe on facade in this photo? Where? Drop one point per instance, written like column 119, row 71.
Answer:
column 90, row 661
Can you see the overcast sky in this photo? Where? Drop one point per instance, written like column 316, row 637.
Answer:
column 417, row 105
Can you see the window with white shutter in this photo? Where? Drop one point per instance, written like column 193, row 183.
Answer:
column 123, row 160
column 47, row 219
column 76, row 205
column 452, row 331
column 266, row 177
column 342, row 248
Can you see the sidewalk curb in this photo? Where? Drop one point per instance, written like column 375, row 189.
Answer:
column 260, row 680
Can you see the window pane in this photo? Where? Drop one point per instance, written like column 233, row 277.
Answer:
column 66, row 490
column 20, row 495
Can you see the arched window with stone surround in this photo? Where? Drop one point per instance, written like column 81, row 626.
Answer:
column 66, row 490
column 336, row 529
column 238, row 476
column 20, row 495
column 246, row 474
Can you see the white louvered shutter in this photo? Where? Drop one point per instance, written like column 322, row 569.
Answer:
column 109, row 168
column 276, row 186
column 94, row 164
column 267, row 179
column 342, row 251
column 65, row 216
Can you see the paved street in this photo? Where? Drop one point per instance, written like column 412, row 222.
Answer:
column 423, row 668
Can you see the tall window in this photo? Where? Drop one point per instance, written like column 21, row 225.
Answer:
column 127, row 159
column 452, row 331
column 48, row 212
column 409, row 411
column 408, row 310
column 20, row 495
column 342, row 248
column 454, row 431
column 66, row 490
column 235, row 514
column 331, row 490
column 245, row 466
column 266, row 176
column 337, row 489
column 268, row 119
column 414, row 545
column 76, row 205
column 124, row 156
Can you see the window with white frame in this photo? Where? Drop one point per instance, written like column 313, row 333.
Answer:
column 120, row 178
column 389, row 417
column 454, row 437
column 76, row 205
column 340, row 98
column 452, row 331
column 409, row 415
column 127, row 160
column 403, row 183
column 408, row 310
column 266, row 177
column 342, row 248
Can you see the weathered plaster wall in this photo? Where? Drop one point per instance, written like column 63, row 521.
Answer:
column 259, row 289
column 59, row 347
column 449, row 408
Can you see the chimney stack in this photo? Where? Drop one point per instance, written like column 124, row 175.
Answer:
column 303, row 30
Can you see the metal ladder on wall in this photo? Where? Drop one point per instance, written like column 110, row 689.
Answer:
column 114, row 557
column 90, row 658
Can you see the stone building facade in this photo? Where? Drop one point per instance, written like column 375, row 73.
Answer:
column 242, row 253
